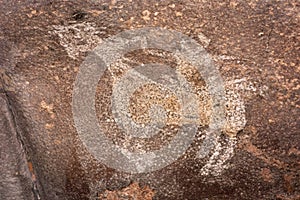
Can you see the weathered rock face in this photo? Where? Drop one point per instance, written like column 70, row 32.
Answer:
column 254, row 47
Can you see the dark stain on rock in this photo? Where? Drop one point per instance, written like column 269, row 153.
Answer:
column 77, row 186
column 79, row 15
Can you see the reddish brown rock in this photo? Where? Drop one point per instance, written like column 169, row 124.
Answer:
column 255, row 45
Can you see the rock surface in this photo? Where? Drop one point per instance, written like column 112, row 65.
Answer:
column 254, row 44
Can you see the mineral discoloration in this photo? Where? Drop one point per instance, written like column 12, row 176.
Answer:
column 133, row 191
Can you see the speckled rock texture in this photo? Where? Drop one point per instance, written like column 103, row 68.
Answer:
column 255, row 45
column 15, row 177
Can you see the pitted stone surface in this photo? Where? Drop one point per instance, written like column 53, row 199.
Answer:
column 255, row 46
